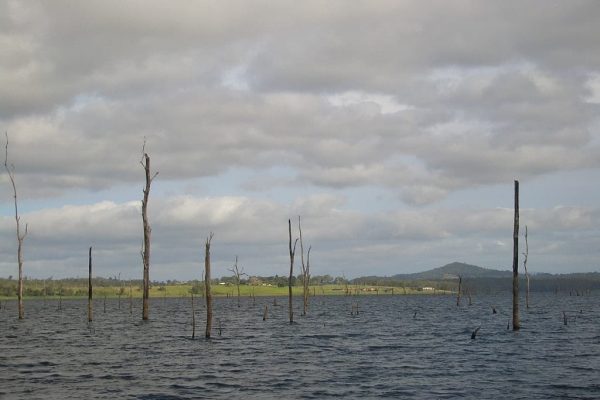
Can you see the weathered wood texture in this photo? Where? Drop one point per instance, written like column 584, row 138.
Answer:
column 292, row 252
column 90, row 300
column 145, row 162
column 207, row 290
column 515, row 315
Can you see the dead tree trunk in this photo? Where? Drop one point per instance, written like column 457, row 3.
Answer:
column 238, row 275
column 307, row 280
column 193, row 318
column 207, row 285
column 292, row 252
column 20, row 236
column 459, row 288
column 515, row 316
column 121, row 290
column 90, row 305
column 130, row 299
column 145, row 162
column 525, row 256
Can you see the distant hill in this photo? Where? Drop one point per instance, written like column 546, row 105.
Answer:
column 452, row 271
column 484, row 280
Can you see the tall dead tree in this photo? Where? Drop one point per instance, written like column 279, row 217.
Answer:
column 207, row 291
column 525, row 256
column 515, row 285
column 459, row 288
column 305, row 271
column 20, row 236
column 238, row 274
column 145, row 162
column 292, row 252
column 90, row 306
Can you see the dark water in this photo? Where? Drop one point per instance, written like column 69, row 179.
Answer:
column 385, row 351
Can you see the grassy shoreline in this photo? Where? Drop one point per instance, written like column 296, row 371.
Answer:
column 184, row 290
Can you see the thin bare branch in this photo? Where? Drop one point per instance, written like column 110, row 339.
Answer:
column 301, row 246
column 238, row 274
column 143, row 152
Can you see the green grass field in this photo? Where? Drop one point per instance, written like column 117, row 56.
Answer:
column 184, row 290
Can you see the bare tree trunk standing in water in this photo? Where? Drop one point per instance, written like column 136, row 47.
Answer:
column 90, row 306
column 459, row 289
column 516, row 323
column 292, row 252
column 193, row 317
column 525, row 256
column 130, row 298
column 20, row 236
column 305, row 271
column 238, row 275
column 147, row 232
column 207, row 285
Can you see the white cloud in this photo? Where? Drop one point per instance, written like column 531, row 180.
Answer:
column 386, row 103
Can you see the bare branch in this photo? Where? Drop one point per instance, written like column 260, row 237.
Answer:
column 143, row 152
column 26, row 231
column 6, row 151
column 301, row 246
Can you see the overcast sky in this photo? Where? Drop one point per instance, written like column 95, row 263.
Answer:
column 395, row 129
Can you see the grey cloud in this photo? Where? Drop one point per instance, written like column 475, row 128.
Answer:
column 90, row 80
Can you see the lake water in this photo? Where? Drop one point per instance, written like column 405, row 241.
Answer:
column 384, row 351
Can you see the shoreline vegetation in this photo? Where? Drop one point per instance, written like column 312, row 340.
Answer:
column 79, row 291
column 443, row 280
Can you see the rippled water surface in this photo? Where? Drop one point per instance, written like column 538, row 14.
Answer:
column 397, row 346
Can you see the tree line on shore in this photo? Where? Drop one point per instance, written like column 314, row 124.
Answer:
column 576, row 283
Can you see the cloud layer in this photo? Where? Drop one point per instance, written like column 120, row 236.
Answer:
column 419, row 101
column 344, row 242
